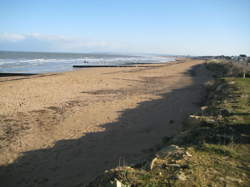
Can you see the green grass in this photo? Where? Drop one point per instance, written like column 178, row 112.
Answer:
column 226, row 163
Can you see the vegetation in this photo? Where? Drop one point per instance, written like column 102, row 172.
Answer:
column 212, row 150
column 229, row 68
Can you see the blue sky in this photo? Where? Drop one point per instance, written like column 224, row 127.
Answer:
column 195, row 27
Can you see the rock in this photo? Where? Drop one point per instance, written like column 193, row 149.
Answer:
column 244, row 96
column 222, row 179
column 219, row 117
column 168, row 150
column 194, row 117
column 173, row 165
column 181, row 176
column 119, row 184
column 232, row 179
column 188, row 154
column 171, row 154
column 210, row 121
column 219, row 87
column 153, row 163
column 209, row 84
column 204, row 108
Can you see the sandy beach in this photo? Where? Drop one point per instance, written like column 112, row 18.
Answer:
column 64, row 129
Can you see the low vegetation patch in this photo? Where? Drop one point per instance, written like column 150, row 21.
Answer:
column 229, row 68
column 212, row 150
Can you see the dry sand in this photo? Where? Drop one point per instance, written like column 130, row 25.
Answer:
column 64, row 129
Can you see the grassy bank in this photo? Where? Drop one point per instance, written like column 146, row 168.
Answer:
column 219, row 144
column 212, row 150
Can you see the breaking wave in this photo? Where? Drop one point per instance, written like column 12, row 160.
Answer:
column 59, row 64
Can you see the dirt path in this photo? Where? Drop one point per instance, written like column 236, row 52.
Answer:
column 64, row 129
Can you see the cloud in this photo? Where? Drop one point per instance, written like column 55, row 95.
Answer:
column 46, row 42
column 11, row 37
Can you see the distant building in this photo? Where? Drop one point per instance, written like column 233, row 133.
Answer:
column 240, row 58
column 222, row 57
column 243, row 58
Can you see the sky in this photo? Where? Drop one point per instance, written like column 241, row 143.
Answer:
column 179, row 27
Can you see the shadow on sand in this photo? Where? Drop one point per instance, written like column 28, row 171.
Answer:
column 20, row 76
column 75, row 162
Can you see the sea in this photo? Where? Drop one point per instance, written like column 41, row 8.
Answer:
column 46, row 62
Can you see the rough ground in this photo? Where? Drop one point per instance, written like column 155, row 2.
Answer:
column 64, row 129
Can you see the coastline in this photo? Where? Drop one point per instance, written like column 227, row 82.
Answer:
column 85, row 121
column 42, row 62
column 6, row 76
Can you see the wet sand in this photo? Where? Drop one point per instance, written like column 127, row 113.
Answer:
column 64, row 129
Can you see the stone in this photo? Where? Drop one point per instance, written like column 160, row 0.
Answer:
column 232, row 179
column 204, row 108
column 219, row 87
column 167, row 150
column 153, row 163
column 181, row 176
column 119, row 184
column 188, row 154
column 173, row 165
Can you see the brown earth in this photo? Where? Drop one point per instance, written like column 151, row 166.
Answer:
column 64, row 129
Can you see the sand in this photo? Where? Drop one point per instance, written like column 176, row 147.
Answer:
column 64, row 129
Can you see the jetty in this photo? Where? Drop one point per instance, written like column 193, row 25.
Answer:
column 101, row 66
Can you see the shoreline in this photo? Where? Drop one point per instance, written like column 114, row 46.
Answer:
column 5, row 76
column 80, row 123
column 85, row 66
column 53, row 62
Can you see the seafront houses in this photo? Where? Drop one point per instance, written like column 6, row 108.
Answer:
column 242, row 58
column 223, row 57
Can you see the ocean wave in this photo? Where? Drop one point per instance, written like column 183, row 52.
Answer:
column 40, row 65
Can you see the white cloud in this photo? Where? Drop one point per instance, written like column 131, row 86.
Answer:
column 12, row 37
column 46, row 42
